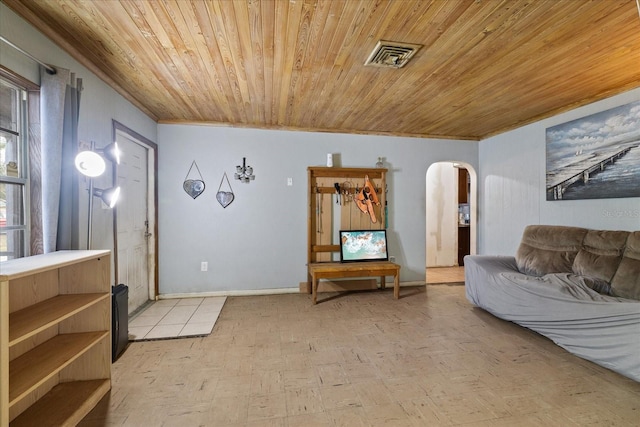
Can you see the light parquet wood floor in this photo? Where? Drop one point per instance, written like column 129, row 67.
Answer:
column 362, row 359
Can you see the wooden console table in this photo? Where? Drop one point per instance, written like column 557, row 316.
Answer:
column 334, row 270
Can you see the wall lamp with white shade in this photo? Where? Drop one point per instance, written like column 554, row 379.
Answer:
column 108, row 196
column 91, row 164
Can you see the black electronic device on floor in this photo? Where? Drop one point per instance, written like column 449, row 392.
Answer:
column 119, row 319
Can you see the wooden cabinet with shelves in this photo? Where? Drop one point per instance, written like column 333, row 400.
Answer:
column 332, row 208
column 324, row 201
column 464, row 189
column 55, row 337
column 463, row 243
column 463, row 186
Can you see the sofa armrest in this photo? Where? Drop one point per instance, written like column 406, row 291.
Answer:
column 480, row 269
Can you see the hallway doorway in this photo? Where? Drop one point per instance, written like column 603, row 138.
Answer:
column 451, row 212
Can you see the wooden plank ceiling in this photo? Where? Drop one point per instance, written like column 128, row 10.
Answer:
column 485, row 67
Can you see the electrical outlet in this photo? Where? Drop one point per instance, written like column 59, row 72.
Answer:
column 289, row 182
column 392, row 259
column 204, row 266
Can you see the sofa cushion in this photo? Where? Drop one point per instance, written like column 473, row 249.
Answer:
column 548, row 249
column 626, row 281
column 600, row 254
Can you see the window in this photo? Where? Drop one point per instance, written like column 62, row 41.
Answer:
column 14, row 184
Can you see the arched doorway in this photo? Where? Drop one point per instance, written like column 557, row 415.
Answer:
column 451, row 214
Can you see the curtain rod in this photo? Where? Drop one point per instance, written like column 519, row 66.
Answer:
column 47, row 67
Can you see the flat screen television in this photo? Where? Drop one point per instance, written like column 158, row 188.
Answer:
column 363, row 245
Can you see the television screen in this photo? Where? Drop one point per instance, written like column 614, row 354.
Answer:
column 363, row 245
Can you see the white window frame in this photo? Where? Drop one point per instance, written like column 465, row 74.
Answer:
column 23, row 179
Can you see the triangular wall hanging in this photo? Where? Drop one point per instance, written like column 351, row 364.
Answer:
column 225, row 197
column 193, row 187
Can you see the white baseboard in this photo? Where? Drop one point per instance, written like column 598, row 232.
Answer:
column 414, row 283
column 232, row 293
column 253, row 292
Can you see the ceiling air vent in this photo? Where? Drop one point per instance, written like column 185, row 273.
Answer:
column 391, row 54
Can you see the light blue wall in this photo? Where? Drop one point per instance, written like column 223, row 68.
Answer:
column 260, row 240
column 512, row 186
column 99, row 105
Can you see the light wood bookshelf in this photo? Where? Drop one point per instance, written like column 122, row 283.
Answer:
column 55, row 337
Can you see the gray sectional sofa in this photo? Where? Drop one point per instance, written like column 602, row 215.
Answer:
column 578, row 287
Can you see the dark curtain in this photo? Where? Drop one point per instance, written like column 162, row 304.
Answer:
column 59, row 111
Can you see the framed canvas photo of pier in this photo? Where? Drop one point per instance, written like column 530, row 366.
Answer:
column 595, row 157
column 363, row 245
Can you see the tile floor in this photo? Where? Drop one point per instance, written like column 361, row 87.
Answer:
column 173, row 318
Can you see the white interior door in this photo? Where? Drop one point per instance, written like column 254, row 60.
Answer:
column 133, row 222
column 442, row 215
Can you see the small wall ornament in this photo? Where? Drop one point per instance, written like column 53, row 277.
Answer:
column 244, row 173
column 193, row 187
column 224, row 197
